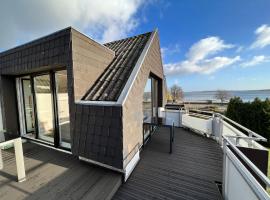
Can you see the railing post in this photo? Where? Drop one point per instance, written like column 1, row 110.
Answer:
column 19, row 159
column 224, row 170
column 220, row 129
column 1, row 160
column 237, row 141
column 250, row 141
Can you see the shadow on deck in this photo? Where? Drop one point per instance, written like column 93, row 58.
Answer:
column 189, row 172
column 55, row 175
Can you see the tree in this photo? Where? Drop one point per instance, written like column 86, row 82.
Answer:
column 253, row 115
column 176, row 93
column 222, row 95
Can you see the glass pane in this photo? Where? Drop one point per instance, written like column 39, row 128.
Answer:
column 28, row 105
column 44, row 107
column 147, row 101
column 63, row 107
column 155, row 97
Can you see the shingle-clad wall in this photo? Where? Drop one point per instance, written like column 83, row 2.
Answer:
column 49, row 52
column 97, row 134
column 132, row 108
column 89, row 60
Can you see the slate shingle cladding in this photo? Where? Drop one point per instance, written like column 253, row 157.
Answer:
column 98, row 135
column 109, row 85
column 98, row 131
column 45, row 52
column 50, row 52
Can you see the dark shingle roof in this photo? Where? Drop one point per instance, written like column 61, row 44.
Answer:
column 109, row 85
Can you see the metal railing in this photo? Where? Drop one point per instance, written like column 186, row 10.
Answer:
column 231, row 154
column 242, row 179
column 250, row 132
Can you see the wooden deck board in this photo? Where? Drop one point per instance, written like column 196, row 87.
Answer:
column 189, row 172
column 55, row 175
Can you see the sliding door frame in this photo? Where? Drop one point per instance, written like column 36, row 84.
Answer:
column 24, row 104
column 51, row 73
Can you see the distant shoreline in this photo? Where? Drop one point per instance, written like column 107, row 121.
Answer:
column 245, row 95
column 226, row 90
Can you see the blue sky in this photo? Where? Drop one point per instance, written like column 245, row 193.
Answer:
column 183, row 23
column 206, row 44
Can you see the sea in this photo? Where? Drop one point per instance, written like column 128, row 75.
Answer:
column 245, row 95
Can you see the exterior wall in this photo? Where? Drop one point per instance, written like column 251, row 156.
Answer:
column 89, row 60
column 49, row 52
column 132, row 108
column 96, row 130
column 11, row 124
column 46, row 53
column 98, row 134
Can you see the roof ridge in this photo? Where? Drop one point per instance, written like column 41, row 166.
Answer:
column 134, row 36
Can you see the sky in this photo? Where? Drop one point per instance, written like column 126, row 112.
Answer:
column 205, row 44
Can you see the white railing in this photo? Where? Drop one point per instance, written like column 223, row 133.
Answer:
column 198, row 124
column 238, row 181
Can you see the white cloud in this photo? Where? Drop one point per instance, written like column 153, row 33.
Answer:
column 104, row 20
column 256, row 60
column 207, row 66
column 239, row 49
column 206, row 47
column 170, row 50
column 263, row 37
column 198, row 60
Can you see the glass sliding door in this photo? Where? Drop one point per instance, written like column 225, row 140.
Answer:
column 155, row 97
column 28, row 106
column 147, row 101
column 44, row 107
column 63, row 108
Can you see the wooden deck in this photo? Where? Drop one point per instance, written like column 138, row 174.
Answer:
column 189, row 172
column 55, row 175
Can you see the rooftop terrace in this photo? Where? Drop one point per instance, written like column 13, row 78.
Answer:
column 192, row 171
column 51, row 174
column 189, row 172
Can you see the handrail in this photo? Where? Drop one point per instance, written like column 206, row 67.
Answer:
column 201, row 111
column 244, row 137
column 253, row 167
column 252, row 133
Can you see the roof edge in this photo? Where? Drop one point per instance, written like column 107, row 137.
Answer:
column 126, row 90
column 34, row 40
column 73, row 29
